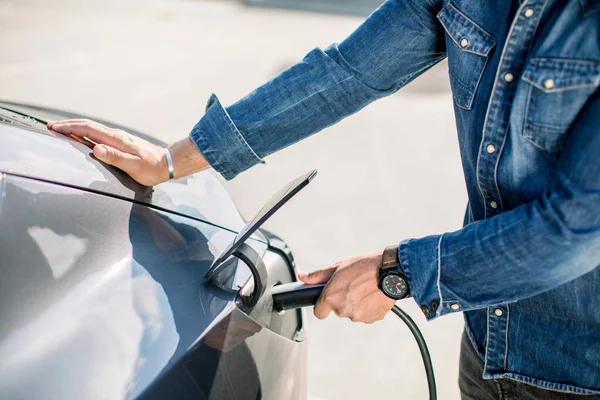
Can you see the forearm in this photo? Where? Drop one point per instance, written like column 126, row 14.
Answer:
column 385, row 53
column 187, row 159
column 512, row 256
column 529, row 250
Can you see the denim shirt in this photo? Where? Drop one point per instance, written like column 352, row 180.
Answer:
column 524, row 77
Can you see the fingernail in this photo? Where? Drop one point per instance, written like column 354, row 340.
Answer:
column 302, row 275
column 99, row 152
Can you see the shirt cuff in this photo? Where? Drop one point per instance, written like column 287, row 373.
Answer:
column 420, row 260
column 221, row 143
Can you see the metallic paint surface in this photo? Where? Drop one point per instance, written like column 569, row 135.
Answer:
column 101, row 298
column 49, row 156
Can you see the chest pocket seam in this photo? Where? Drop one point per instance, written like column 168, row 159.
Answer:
column 471, row 45
column 558, row 90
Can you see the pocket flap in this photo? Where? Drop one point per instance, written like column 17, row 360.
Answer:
column 557, row 74
column 464, row 32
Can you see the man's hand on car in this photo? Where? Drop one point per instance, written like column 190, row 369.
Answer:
column 351, row 290
column 143, row 161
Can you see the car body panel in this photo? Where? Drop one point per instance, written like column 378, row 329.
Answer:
column 102, row 298
column 101, row 293
column 29, row 149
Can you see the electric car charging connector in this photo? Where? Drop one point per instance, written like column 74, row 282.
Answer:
column 296, row 295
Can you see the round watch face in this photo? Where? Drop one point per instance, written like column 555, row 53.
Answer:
column 394, row 286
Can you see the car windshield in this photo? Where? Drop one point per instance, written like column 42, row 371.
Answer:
column 21, row 120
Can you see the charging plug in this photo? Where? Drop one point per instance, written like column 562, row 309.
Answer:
column 295, row 295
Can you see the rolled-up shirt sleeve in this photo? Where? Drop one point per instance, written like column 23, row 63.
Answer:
column 397, row 43
column 523, row 252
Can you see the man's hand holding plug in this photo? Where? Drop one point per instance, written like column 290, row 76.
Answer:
column 352, row 290
column 352, row 285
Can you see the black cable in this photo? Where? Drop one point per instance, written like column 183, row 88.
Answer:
column 422, row 347
column 296, row 295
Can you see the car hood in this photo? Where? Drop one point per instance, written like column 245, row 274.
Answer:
column 30, row 150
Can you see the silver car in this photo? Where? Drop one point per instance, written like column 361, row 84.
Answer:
column 101, row 282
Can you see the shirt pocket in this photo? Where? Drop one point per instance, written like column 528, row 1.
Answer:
column 558, row 90
column 468, row 46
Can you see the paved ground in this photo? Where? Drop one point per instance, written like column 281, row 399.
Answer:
column 387, row 173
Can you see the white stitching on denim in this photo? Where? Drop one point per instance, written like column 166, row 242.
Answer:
column 235, row 130
column 462, row 48
column 439, row 277
column 506, row 337
column 487, row 115
column 536, row 382
column 562, row 89
column 486, row 33
column 505, row 134
column 487, row 344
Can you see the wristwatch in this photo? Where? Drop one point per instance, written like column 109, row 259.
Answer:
column 392, row 281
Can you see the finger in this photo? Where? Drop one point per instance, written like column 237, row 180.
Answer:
column 322, row 307
column 317, row 276
column 63, row 121
column 95, row 132
column 114, row 157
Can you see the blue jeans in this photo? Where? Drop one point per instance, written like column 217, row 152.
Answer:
column 474, row 387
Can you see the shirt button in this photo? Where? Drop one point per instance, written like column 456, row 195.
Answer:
column 490, row 148
column 455, row 306
column 498, row 312
column 529, row 12
column 508, row 77
column 425, row 310
column 493, row 204
column 549, row 83
column 464, row 42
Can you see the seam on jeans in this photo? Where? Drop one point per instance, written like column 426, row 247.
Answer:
column 487, row 116
column 237, row 133
column 500, row 390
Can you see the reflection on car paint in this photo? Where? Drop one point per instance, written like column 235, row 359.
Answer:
column 61, row 251
column 63, row 160
column 124, row 311
column 51, row 159
column 126, row 318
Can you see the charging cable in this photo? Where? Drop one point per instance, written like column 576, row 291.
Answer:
column 296, row 295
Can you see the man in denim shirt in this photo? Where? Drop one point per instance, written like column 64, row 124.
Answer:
column 524, row 268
